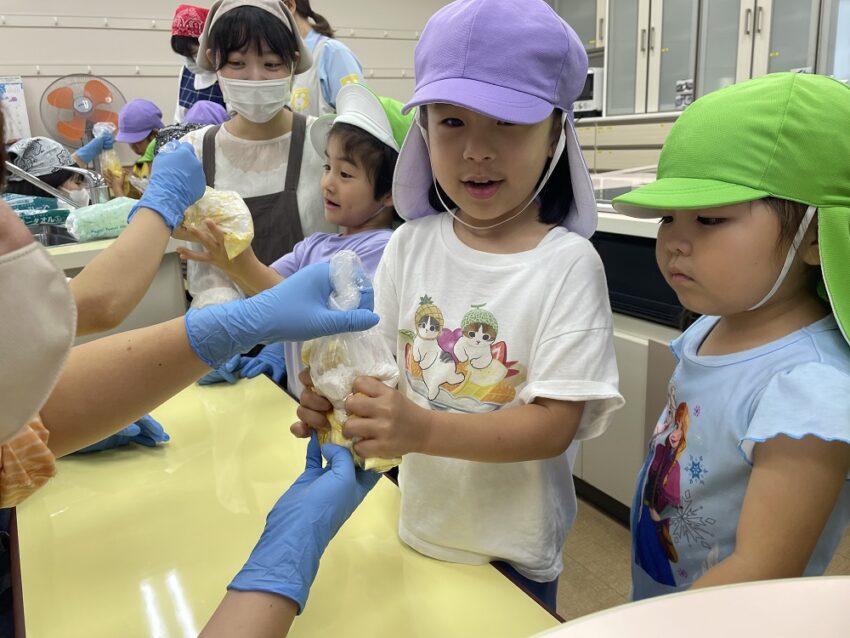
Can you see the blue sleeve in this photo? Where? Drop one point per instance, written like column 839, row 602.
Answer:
column 337, row 67
column 809, row 399
column 290, row 263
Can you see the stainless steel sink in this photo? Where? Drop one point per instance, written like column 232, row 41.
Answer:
column 51, row 234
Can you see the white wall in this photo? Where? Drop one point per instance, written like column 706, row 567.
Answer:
column 127, row 42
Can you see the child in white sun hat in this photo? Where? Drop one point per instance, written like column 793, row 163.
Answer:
column 492, row 297
column 360, row 146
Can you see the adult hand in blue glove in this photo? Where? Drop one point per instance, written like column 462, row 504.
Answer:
column 226, row 373
column 94, row 148
column 296, row 309
column 270, row 360
column 177, row 181
column 303, row 522
column 146, row 431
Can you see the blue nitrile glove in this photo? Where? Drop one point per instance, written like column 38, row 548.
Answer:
column 270, row 360
column 177, row 181
column 227, row 373
column 94, row 148
column 303, row 522
column 296, row 309
column 146, row 431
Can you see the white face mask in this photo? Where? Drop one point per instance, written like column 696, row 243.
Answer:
column 38, row 319
column 80, row 198
column 257, row 101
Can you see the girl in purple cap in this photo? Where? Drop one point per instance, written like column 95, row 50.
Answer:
column 492, row 297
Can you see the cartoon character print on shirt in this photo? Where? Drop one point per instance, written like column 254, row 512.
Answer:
column 464, row 369
column 661, row 496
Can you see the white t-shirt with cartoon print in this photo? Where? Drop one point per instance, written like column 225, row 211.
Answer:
column 691, row 488
column 477, row 332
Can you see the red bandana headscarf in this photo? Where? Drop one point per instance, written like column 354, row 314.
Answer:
column 189, row 21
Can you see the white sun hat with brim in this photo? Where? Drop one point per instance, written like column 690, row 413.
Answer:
column 359, row 106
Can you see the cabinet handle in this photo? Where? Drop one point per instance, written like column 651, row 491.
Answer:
column 652, row 38
column 601, row 37
column 643, row 40
column 759, row 19
column 748, row 22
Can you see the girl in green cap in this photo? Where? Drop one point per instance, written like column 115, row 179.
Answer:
column 754, row 199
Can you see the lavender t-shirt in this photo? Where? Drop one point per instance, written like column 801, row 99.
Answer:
column 318, row 247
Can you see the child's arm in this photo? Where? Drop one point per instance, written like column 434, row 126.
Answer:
column 391, row 425
column 790, row 496
column 114, row 282
column 251, row 275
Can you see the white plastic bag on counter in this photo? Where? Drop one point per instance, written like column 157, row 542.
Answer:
column 337, row 360
column 100, row 221
column 229, row 211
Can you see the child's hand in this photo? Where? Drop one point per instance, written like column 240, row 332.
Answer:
column 116, row 183
column 211, row 237
column 312, row 409
column 387, row 422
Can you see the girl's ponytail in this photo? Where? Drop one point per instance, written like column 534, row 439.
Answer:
column 320, row 23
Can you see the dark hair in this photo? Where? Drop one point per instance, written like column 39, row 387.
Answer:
column 245, row 27
column 790, row 215
column 320, row 23
column 374, row 156
column 184, row 45
column 2, row 150
column 54, row 179
column 555, row 197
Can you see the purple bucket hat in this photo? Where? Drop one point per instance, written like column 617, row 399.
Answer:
column 512, row 61
column 137, row 120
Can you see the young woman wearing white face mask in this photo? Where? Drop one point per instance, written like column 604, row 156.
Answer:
column 262, row 152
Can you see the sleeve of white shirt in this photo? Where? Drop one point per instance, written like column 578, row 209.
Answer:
column 338, row 66
column 573, row 359
column 386, row 293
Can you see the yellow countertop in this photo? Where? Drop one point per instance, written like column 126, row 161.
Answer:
column 140, row 542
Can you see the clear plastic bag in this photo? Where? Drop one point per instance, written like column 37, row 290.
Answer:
column 109, row 160
column 229, row 211
column 100, row 221
column 337, row 360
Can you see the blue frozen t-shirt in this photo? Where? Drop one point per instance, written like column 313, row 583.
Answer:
column 691, row 488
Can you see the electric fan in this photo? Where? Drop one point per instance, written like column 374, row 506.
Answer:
column 71, row 105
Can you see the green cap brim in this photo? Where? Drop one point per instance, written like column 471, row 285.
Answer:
column 681, row 193
column 834, row 247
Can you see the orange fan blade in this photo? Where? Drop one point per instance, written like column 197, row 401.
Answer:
column 72, row 130
column 62, row 98
column 97, row 92
column 99, row 115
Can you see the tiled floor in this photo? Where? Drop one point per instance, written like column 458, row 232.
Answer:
column 596, row 564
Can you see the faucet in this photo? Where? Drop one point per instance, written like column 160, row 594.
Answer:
column 95, row 182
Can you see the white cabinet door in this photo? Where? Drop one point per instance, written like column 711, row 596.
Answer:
column 611, row 462
column 721, row 26
column 622, row 45
column 834, row 46
column 581, row 16
column 672, row 53
column 785, row 34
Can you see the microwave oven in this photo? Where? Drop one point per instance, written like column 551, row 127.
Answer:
column 589, row 101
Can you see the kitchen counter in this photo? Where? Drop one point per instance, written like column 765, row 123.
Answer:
column 164, row 300
column 140, row 542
